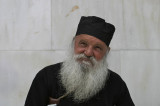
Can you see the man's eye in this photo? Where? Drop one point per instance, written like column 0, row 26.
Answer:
column 98, row 48
column 83, row 44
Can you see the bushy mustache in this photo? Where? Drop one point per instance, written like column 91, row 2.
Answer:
column 88, row 60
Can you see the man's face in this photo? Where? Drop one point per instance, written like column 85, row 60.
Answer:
column 89, row 46
column 87, row 65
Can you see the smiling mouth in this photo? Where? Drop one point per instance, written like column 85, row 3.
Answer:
column 85, row 60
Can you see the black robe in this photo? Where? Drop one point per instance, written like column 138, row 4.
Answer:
column 46, row 84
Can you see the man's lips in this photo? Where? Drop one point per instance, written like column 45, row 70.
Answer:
column 85, row 59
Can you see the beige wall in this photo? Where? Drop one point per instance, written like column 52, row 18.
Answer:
column 36, row 33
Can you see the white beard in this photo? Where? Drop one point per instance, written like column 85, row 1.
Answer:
column 81, row 79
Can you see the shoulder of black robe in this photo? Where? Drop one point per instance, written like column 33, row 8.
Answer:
column 40, row 90
column 117, row 91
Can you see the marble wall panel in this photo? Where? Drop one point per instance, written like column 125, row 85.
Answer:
column 66, row 16
column 141, row 24
column 25, row 25
column 114, row 61
column 17, row 70
column 113, row 10
column 135, row 21
column 140, row 70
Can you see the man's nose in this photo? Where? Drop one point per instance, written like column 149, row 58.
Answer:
column 88, row 52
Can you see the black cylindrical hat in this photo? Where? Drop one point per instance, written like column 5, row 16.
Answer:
column 96, row 27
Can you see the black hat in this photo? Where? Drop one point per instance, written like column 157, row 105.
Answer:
column 96, row 27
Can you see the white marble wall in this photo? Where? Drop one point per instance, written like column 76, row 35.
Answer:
column 36, row 33
column 25, row 25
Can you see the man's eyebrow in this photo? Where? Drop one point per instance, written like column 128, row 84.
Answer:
column 100, row 45
column 82, row 40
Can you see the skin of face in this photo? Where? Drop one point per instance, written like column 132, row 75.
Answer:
column 90, row 46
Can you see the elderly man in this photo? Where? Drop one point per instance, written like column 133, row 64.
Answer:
column 83, row 79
